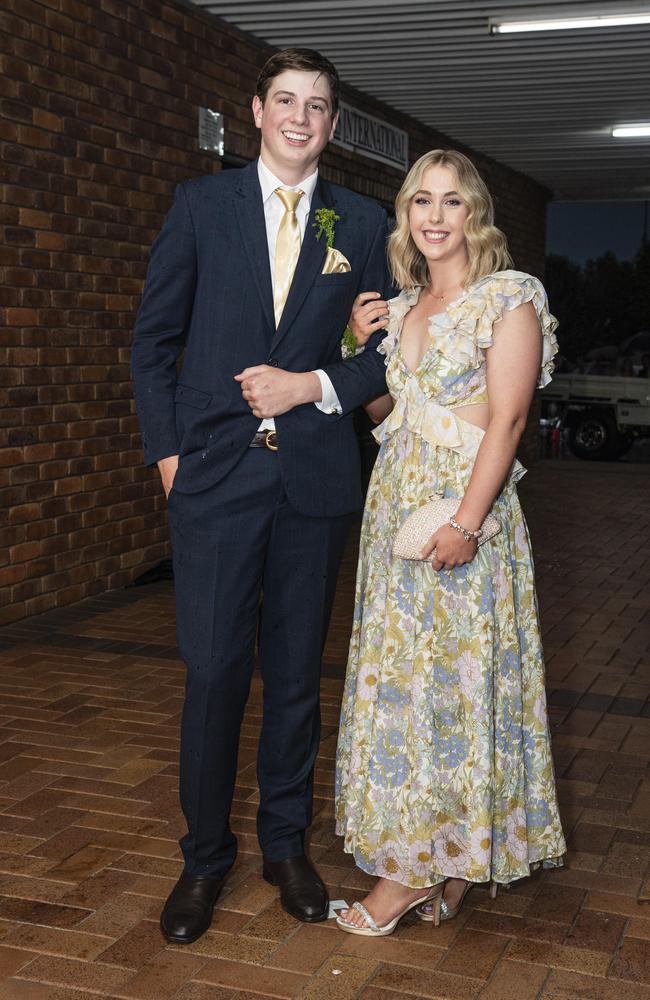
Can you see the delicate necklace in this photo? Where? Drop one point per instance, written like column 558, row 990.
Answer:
column 438, row 298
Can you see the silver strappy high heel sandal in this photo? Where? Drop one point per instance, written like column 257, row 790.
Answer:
column 424, row 911
column 433, row 899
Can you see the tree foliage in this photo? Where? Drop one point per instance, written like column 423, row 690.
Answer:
column 602, row 303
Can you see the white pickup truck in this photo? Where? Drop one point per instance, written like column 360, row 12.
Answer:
column 602, row 413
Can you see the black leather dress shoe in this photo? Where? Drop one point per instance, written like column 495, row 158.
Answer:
column 187, row 914
column 302, row 892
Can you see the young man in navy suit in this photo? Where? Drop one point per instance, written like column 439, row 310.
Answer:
column 257, row 453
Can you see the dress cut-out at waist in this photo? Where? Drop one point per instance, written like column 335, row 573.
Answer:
column 463, row 409
column 439, row 425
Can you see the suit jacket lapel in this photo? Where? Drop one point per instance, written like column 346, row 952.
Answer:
column 250, row 213
column 310, row 261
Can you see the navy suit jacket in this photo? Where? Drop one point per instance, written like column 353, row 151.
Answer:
column 208, row 294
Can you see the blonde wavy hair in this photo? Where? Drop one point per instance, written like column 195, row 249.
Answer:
column 487, row 246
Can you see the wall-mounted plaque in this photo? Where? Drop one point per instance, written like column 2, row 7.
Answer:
column 372, row 136
column 211, row 131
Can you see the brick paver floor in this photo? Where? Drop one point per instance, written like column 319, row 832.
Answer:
column 89, row 818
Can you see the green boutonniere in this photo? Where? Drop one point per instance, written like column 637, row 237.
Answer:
column 349, row 346
column 326, row 219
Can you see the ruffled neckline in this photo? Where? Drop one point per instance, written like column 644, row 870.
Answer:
column 397, row 310
column 463, row 329
column 399, row 306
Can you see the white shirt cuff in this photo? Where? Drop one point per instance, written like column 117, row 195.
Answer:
column 329, row 402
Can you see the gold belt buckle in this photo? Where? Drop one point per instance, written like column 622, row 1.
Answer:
column 271, row 440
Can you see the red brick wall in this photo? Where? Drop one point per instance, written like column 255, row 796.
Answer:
column 98, row 106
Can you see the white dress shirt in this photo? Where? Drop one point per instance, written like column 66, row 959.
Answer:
column 273, row 212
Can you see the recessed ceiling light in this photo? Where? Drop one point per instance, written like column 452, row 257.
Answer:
column 568, row 23
column 631, row 131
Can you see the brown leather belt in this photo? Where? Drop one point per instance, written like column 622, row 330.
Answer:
column 265, row 439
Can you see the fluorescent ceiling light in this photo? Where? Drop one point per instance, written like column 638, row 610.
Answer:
column 631, row 131
column 568, row 23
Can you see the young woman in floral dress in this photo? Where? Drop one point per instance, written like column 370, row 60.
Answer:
column 444, row 772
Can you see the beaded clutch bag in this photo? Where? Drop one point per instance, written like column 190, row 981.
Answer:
column 423, row 522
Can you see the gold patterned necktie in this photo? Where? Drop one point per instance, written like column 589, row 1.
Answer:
column 287, row 249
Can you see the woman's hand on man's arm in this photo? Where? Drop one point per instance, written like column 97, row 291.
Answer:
column 369, row 314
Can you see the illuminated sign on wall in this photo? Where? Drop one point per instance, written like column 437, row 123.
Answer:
column 372, row 137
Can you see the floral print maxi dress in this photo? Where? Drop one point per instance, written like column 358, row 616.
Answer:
column 444, row 764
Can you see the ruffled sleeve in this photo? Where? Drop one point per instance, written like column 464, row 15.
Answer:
column 397, row 310
column 464, row 329
column 505, row 290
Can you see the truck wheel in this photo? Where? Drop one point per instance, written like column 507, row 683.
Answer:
column 594, row 436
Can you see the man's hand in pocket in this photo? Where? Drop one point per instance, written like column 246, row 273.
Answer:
column 167, row 468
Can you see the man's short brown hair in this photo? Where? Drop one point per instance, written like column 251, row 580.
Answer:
column 305, row 60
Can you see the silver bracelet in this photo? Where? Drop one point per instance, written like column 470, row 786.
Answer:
column 465, row 532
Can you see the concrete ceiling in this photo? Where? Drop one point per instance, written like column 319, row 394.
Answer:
column 543, row 103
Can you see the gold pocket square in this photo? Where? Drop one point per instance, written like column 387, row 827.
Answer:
column 335, row 262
